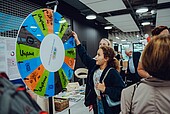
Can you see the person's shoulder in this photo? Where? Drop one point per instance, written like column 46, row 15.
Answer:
column 113, row 70
column 136, row 53
column 128, row 90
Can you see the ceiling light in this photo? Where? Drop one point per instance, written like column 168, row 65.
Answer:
column 91, row 17
column 153, row 11
column 33, row 27
column 62, row 21
column 123, row 40
column 57, row 32
column 38, row 34
column 117, row 37
column 108, row 27
column 142, row 10
column 145, row 23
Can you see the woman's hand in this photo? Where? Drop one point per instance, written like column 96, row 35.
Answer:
column 101, row 87
column 76, row 38
column 90, row 108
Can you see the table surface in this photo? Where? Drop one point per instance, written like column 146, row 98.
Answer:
column 76, row 98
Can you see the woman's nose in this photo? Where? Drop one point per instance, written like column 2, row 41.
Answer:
column 95, row 57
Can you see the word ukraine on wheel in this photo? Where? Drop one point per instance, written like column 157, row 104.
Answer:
column 45, row 52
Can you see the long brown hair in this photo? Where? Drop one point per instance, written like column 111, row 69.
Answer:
column 155, row 57
column 158, row 30
column 110, row 53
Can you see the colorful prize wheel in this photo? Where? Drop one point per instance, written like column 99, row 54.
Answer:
column 45, row 52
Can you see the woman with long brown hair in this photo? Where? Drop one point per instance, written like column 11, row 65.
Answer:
column 152, row 96
column 160, row 30
column 97, row 86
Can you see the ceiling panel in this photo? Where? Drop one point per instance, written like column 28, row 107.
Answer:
column 128, row 29
column 123, row 22
column 91, row 1
column 164, row 23
column 163, row 12
column 100, row 6
column 163, row 1
column 163, row 17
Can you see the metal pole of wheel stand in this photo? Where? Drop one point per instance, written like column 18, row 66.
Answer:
column 51, row 98
column 55, row 7
column 50, row 105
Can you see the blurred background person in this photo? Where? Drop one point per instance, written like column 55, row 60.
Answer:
column 132, row 75
column 105, row 42
column 118, row 56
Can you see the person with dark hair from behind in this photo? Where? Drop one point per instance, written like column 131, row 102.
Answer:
column 118, row 56
column 97, row 86
column 160, row 30
column 156, row 31
column 152, row 96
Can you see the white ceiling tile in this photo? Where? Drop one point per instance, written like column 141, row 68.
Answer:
column 163, row 23
column 128, row 29
column 163, row 12
column 163, row 17
column 119, row 18
column 100, row 6
column 123, row 22
column 90, row 1
column 163, row 1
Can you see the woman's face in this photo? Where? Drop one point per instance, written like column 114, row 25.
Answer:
column 100, row 60
column 103, row 43
column 166, row 32
column 129, row 53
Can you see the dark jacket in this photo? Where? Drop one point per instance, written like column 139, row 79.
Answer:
column 136, row 56
column 113, row 82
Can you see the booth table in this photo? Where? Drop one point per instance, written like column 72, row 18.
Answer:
column 76, row 103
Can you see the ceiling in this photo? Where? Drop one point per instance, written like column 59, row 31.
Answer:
column 121, row 15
